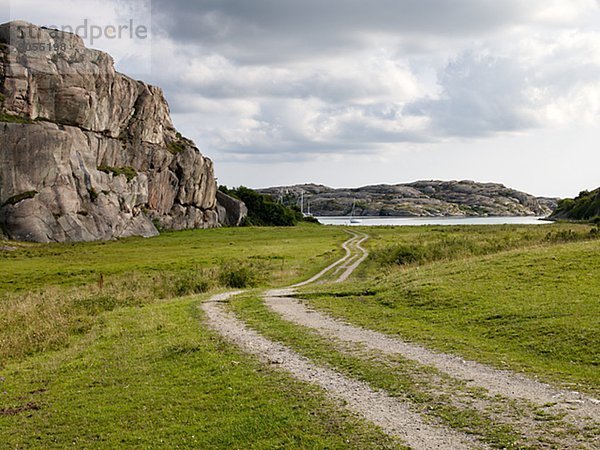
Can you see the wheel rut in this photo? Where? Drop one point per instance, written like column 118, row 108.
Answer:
column 392, row 415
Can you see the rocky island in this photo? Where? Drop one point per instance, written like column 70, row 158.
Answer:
column 419, row 199
column 87, row 153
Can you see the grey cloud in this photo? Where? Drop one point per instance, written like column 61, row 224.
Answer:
column 280, row 55
column 280, row 30
column 330, row 88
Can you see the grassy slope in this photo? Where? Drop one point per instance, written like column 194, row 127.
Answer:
column 534, row 309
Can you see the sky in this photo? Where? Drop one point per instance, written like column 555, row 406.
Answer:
column 348, row 92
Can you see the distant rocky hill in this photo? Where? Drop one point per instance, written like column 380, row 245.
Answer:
column 87, row 153
column 422, row 198
column 586, row 206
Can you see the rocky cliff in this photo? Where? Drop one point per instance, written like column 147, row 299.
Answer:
column 422, row 198
column 87, row 153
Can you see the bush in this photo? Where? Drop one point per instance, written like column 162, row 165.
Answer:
column 190, row 284
column 169, row 285
column 238, row 274
column 311, row 219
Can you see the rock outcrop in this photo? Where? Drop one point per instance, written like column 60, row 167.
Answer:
column 232, row 211
column 419, row 199
column 87, row 153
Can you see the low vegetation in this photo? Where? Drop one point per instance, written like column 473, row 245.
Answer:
column 102, row 318
column 178, row 145
column 129, row 172
column 20, row 197
column 110, row 320
column 11, row 118
column 155, row 377
column 451, row 243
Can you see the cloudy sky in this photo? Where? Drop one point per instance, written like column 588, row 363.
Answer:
column 354, row 92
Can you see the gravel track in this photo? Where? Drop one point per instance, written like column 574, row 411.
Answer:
column 343, row 262
column 393, row 416
column 497, row 382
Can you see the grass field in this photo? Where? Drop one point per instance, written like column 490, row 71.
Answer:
column 49, row 293
column 102, row 345
column 524, row 298
column 126, row 363
column 284, row 251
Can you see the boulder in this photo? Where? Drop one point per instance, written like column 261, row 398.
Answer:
column 232, row 211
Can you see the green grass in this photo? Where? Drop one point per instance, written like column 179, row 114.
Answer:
column 96, row 351
column 290, row 254
column 415, row 245
column 129, row 172
column 533, row 309
column 11, row 118
column 154, row 377
column 51, row 292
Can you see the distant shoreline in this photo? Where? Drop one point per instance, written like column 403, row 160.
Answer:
column 432, row 221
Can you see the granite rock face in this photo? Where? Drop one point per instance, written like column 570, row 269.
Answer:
column 87, row 153
column 419, row 199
